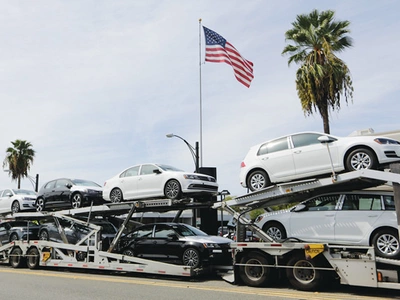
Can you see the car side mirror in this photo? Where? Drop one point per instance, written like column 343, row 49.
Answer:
column 9, row 194
column 157, row 171
column 300, row 207
column 172, row 237
column 324, row 139
column 68, row 185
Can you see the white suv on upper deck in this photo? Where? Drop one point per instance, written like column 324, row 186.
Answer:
column 302, row 155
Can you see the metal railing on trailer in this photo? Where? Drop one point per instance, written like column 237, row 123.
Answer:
column 87, row 253
column 306, row 265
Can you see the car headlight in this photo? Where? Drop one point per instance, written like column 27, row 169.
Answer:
column 91, row 191
column 384, row 141
column 210, row 245
column 190, row 176
column 258, row 219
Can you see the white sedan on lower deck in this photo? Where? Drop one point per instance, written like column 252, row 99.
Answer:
column 157, row 181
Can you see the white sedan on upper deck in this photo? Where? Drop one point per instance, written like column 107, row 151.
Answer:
column 155, row 181
column 305, row 154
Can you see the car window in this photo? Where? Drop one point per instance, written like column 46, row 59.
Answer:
column 273, row 146
column 163, row 231
column 305, row 139
column 389, row 202
column 61, row 183
column 326, row 202
column 364, row 202
column 50, row 185
column 7, row 193
column 1, row 192
column 147, row 169
column 131, row 172
column 143, row 232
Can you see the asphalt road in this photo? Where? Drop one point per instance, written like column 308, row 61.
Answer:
column 66, row 284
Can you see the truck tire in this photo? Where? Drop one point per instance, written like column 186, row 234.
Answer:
column 302, row 274
column 256, row 273
column 16, row 259
column 32, row 259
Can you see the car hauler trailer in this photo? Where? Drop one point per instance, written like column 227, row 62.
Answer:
column 88, row 253
column 307, row 266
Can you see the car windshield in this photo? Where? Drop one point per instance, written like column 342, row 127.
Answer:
column 24, row 192
column 187, row 230
column 81, row 182
column 168, row 168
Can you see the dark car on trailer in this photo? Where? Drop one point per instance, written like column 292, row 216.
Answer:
column 177, row 243
column 18, row 230
column 68, row 193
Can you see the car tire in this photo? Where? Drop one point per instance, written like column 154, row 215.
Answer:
column 173, row 190
column 15, row 207
column 14, row 237
column 116, row 196
column 191, row 257
column 40, row 205
column 275, row 230
column 258, row 180
column 303, row 274
column 128, row 252
column 16, row 259
column 44, row 235
column 361, row 159
column 253, row 270
column 76, row 200
column 32, row 259
column 386, row 243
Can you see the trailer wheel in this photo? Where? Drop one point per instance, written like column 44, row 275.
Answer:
column 32, row 258
column 16, row 259
column 255, row 273
column 302, row 274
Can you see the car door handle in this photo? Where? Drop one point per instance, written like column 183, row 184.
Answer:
column 297, row 152
column 264, row 158
column 155, row 242
column 372, row 216
column 330, row 215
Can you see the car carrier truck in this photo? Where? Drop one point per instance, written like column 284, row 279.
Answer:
column 306, row 265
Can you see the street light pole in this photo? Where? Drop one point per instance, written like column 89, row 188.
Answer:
column 194, row 151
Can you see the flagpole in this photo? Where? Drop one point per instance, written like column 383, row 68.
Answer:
column 201, row 104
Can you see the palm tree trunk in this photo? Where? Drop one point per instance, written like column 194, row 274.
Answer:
column 19, row 182
column 323, row 110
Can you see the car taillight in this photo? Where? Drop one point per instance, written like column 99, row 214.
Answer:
column 242, row 165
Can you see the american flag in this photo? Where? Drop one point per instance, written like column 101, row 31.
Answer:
column 218, row 50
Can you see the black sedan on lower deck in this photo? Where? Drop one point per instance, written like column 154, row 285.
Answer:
column 176, row 243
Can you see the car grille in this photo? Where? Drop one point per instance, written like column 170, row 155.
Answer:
column 203, row 187
column 206, row 178
column 391, row 154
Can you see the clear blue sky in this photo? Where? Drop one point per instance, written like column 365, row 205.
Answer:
column 96, row 85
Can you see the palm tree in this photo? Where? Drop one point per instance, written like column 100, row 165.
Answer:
column 322, row 78
column 19, row 159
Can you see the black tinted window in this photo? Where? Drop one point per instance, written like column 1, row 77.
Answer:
column 273, row 146
column 389, row 202
column 305, row 139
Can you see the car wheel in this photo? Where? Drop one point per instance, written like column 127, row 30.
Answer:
column 76, row 201
column 40, row 205
column 44, row 235
column 303, row 274
column 15, row 207
column 275, row 230
column 386, row 243
column 258, row 180
column 360, row 159
column 16, row 259
column 116, row 196
column 128, row 252
column 254, row 271
column 14, row 237
column 172, row 189
column 32, row 258
column 191, row 257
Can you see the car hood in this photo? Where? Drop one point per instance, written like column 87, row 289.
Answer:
column 207, row 239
